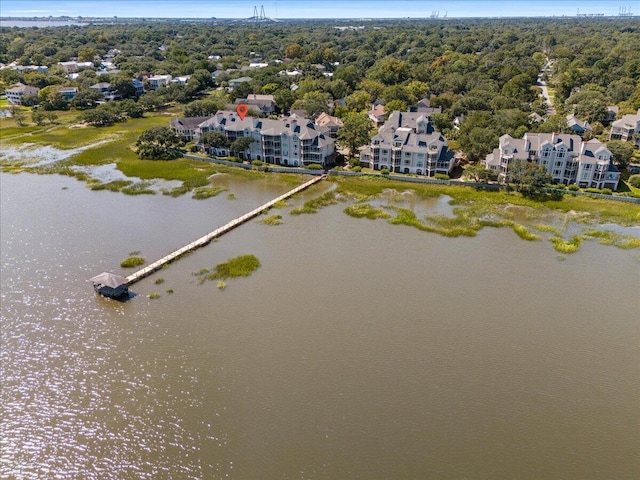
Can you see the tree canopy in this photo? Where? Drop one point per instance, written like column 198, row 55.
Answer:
column 159, row 143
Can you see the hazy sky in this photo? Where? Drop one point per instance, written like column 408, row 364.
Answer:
column 312, row 8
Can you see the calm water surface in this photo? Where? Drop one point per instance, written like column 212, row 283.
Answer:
column 358, row 350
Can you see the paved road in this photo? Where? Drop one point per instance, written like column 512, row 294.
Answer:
column 547, row 99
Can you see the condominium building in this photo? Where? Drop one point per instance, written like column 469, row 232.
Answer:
column 408, row 143
column 566, row 158
column 293, row 142
column 627, row 128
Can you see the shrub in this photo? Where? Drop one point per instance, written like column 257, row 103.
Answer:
column 573, row 187
column 441, row 176
column 603, row 191
column 256, row 163
column 634, row 181
column 314, row 166
column 384, row 171
column 357, row 168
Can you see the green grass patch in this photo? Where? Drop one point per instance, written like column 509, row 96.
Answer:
column 273, row 219
column 567, row 246
column 524, row 233
column 177, row 191
column 154, row 295
column 280, row 204
column 202, row 193
column 231, row 196
column 313, row 205
column 548, row 228
column 241, row 266
column 138, row 188
column 132, row 262
column 159, row 281
column 114, row 186
column 364, row 210
column 607, row 237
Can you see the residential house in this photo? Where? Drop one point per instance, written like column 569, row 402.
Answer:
column 68, row 92
column 16, row 94
column 290, row 73
column 292, row 142
column 35, row 68
column 237, row 81
column 566, row 157
column 139, row 86
column 265, row 103
column 182, row 80
column 408, row 143
column 330, row 122
column 612, row 113
column 578, row 126
column 74, row 66
column 158, row 81
column 187, row 128
column 103, row 87
column 626, row 129
column 377, row 115
column 424, row 106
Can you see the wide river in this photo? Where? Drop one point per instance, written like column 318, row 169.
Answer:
column 358, row 349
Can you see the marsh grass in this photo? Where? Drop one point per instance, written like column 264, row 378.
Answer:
column 607, row 237
column 202, row 193
column 114, row 186
column 132, row 262
column 138, row 188
column 159, row 281
column 231, row 196
column 364, row 210
column 241, row 266
column 273, row 219
column 548, row 228
column 154, row 295
column 176, row 191
column 445, row 226
column 313, row 205
column 567, row 246
column 280, row 204
column 524, row 233
column 482, row 201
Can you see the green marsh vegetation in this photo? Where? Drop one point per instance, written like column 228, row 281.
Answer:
column 202, row 193
column 313, row 205
column 132, row 262
column 474, row 210
column 274, row 219
column 241, row 266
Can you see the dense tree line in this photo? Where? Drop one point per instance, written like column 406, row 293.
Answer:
column 483, row 71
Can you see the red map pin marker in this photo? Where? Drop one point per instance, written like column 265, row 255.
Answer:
column 242, row 110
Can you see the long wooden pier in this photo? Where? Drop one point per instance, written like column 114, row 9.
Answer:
column 202, row 241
